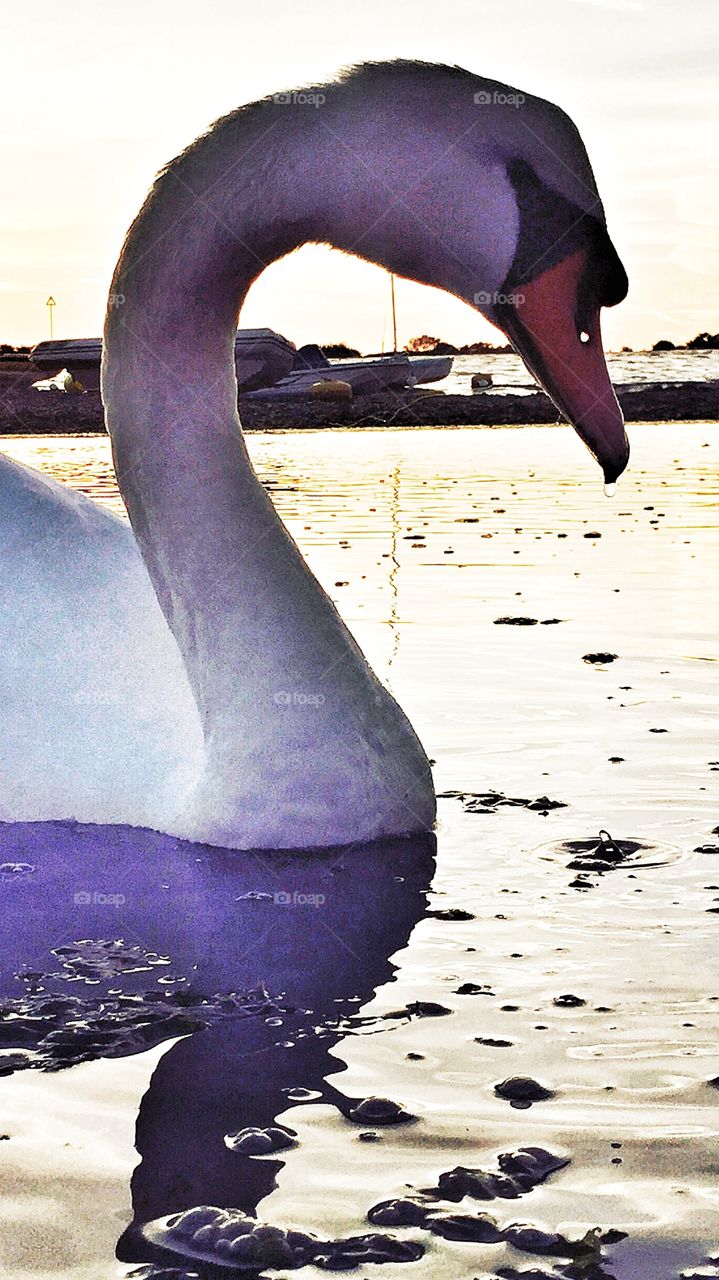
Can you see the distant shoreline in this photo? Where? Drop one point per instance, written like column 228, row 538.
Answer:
column 24, row 411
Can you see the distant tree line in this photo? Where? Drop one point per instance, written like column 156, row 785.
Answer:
column 13, row 353
column 426, row 344
column 702, row 342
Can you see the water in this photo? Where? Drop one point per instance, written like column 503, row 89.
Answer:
column 435, row 535
column 509, row 373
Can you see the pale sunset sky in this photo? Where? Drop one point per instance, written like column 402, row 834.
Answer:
column 95, row 97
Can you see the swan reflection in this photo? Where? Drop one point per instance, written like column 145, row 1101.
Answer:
column 261, row 963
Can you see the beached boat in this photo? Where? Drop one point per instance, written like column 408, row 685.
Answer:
column 365, row 376
column 267, row 365
column 262, row 357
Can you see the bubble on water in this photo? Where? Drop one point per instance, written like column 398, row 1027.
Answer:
column 11, row 870
column 298, row 1094
column 609, row 490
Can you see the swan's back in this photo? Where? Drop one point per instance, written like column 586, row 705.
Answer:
column 98, row 719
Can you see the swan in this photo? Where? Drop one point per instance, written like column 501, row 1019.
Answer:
column 145, row 672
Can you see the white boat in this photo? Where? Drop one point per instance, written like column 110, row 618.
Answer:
column 268, row 366
column 429, row 369
column 365, row 376
column 262, row 357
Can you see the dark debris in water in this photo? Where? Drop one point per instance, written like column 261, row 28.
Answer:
column 96, row 960
column 358, row 1251
column 63, row 1030
column 600, row 659
column 449, row 913
column 587, row 1265
column 518, row 1173
column 479, row 1228
column 522, row 1091
column 526, row 1273
column 526, row 622
column 602, row 853
column 490, row 801
column 230, row 1239
column 151, row 1272
column 255, row 1141
column 380, row 1111
column 207, row 1241
column 427, row 1009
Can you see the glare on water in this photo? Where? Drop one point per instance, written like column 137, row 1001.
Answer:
column 546, row 644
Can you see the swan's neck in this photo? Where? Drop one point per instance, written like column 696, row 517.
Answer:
column 250, row 620
column 208, row 535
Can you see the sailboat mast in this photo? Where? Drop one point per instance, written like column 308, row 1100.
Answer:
column 394, row 315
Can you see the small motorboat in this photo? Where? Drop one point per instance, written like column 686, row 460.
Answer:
column 368, row 376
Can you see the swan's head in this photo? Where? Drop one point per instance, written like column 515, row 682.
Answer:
column 488, row 193
column 449, row 179
column 565, row 269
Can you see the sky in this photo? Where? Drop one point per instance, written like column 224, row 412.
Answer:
column 96, row 97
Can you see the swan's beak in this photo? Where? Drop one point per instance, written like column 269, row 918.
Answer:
column 558, row 336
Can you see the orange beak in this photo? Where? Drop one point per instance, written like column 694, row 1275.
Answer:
column 564, row 352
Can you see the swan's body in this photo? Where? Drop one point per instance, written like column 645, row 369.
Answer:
column 98, row 719
column 181, row 724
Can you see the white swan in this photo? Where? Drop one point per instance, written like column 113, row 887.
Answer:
column 452, row 180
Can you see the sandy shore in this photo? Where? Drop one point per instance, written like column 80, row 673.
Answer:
column 26, row 411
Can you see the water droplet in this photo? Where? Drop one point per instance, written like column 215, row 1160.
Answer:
column 610, row 490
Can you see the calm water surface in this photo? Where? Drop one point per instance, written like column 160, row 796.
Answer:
column 625, row 367
column 425, row 539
